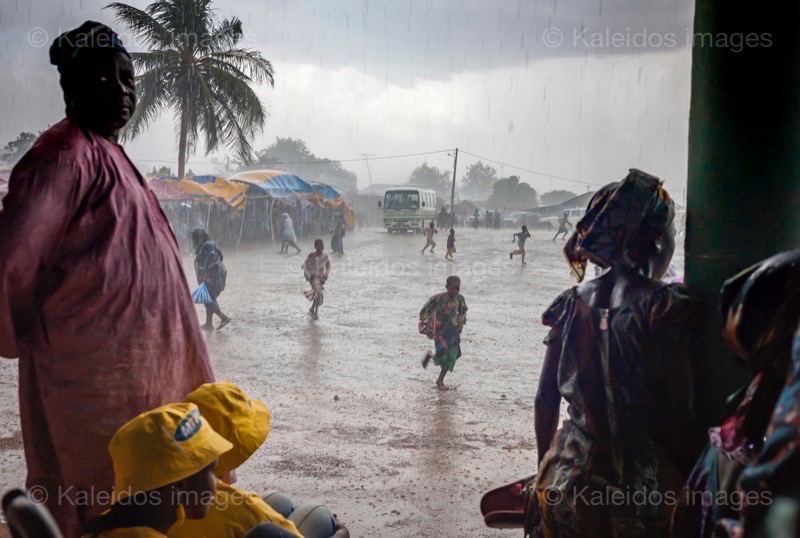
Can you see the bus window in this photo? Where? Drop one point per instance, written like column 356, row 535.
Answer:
column 402, row 200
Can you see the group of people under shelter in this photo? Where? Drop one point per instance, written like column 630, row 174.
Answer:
column 621, row 350
column 117, row 393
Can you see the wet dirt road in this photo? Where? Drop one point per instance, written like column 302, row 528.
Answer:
column 357, row 422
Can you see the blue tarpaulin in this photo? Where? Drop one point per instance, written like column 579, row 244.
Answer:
column 274, row 183
column 326, row 191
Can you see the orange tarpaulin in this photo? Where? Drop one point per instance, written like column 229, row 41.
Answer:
column 232, row 193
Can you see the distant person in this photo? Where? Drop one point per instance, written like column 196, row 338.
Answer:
column 476, row 219
column 211, row 271
column 563, row 226
column 316, row 269
column 451, row 245
column 497, row 220
column 337, row 244
column 489, row 220
column 444, row 218
column 520, row 239
column 444, row 315
column 93, row 297
column 288, row 236
column 429, row 232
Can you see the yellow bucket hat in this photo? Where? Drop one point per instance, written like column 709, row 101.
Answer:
column 243, row 422
column 162, row 446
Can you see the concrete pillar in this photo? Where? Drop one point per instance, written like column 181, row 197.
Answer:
column 744, row 160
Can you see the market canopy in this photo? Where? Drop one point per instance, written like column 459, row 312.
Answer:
column 275, row 183
column 231, row 193
column 326, row 191
column 167, row 189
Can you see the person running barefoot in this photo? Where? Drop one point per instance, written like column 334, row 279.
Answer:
column 520, row 238
column 429, row 242
column 445, row 314
column 451, row 245
column 316, row 269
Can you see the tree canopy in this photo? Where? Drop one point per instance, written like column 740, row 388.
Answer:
column 293, row 156
column 478, row 180
column 430, row 177
column 510, row 193
column 556, row 197
column 197, row 68
column 164, row 171
column 15, row 149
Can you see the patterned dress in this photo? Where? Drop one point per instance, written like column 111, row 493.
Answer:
column 447, row 316
column 625, row 373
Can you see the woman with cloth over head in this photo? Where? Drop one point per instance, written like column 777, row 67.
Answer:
column 210, row 271
column 620, row 352
column 760, row 311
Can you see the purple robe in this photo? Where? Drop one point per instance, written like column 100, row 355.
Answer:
column 95, row 304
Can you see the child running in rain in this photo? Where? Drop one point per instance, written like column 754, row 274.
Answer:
column 429, row 242
column 451, row 245
column 442, row 319
column 520, row 239
column 288, row 236
column 316, row 269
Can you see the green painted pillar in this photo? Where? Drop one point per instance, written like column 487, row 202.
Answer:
column 744, row 161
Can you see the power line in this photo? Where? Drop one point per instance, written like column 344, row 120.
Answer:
column 531, row 171
column 323, row 161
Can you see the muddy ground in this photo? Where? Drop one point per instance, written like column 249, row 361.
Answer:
column 357, row 422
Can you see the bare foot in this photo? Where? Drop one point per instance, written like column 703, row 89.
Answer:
column 207, row 327
column 441, row 386
column 427, row 358
column 224, row 322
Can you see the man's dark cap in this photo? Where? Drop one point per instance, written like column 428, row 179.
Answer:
column 89, row 36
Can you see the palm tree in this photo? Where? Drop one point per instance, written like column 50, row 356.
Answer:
column 196, row 67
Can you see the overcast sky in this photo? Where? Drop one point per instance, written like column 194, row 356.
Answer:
column 581, row 90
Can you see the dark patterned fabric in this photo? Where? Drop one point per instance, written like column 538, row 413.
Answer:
column 776, row 471
column 760, row 311
column 621, row 220
column 626, row 374
column 446, row 316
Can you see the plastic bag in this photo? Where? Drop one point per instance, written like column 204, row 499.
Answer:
column 201, row 295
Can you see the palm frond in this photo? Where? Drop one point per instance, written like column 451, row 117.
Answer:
column 155, row 59
column 188, row 20
column 152, row 96
column 248, row 61
column 224, row 36
column 150, row 31
column 243, row 115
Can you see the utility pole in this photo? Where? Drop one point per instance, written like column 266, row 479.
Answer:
column 369, row 174
column 453, row 192
column 367, row 218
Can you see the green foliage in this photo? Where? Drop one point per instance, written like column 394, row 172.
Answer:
column 430, row 177
column 556, row 197
column 164, row 171
column 293, row 156
column 197, row 68
column 510, row 194
column 15, row 149
column 478, row 180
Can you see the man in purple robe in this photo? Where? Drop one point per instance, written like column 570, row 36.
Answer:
column 93, row 298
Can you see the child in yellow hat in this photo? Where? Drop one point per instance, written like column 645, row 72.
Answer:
column 246, row 424
column 164, row 462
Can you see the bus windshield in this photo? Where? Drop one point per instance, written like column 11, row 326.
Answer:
column 402, row 200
